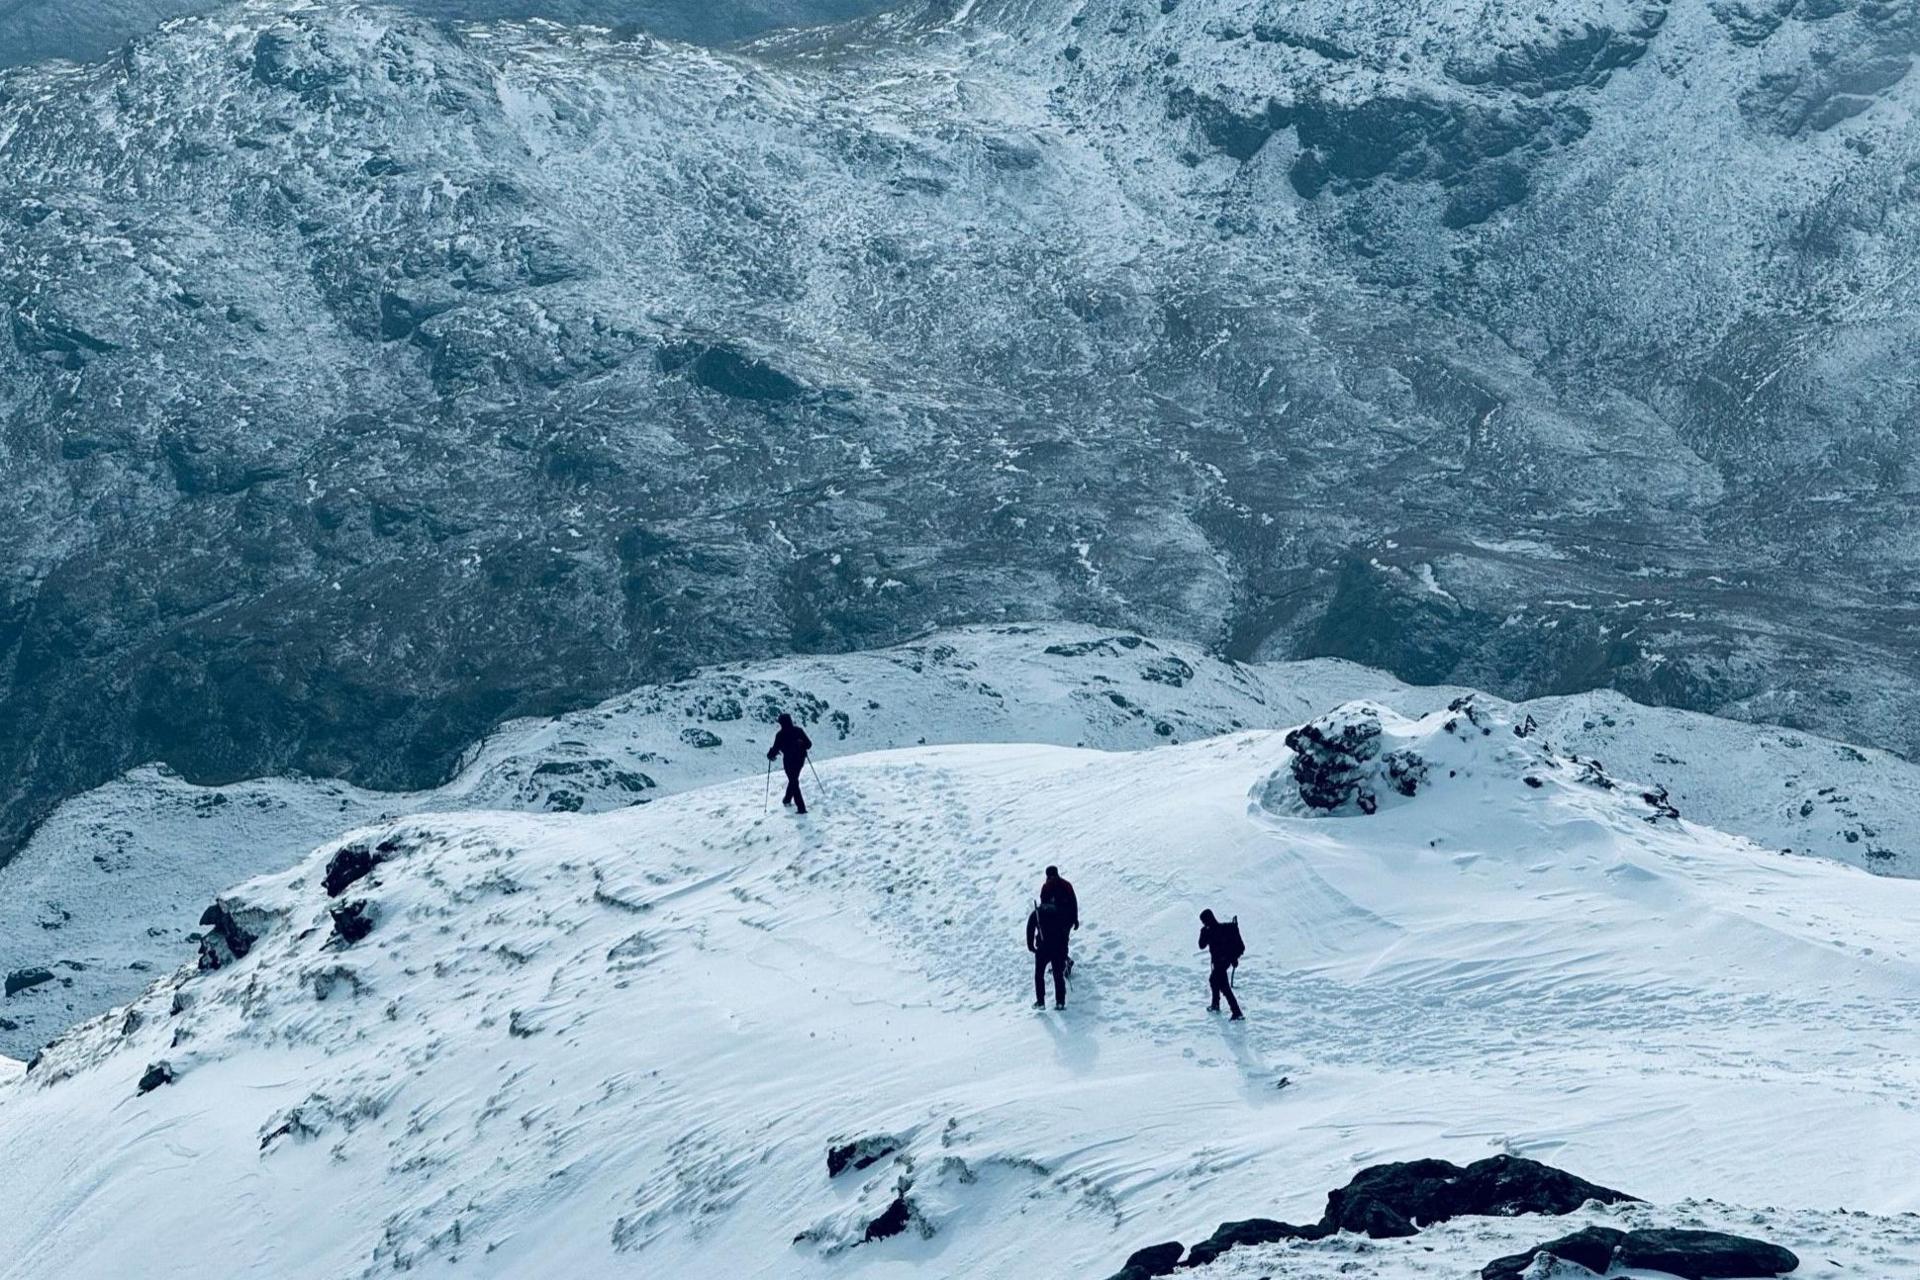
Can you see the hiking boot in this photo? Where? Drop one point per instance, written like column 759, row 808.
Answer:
column 1059, row 1004
column 1213, row 1008
column 1039, row 1004
column 1238, row 1017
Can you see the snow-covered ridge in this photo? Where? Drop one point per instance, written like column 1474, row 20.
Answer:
column 120, row 876
column 537, row 1043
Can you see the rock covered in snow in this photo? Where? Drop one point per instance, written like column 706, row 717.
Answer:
column 860, row 1153
column 1390, row 1201
column 1360, row 756
column 1419, row 1193
column 1690, row 1254
column 231, row 930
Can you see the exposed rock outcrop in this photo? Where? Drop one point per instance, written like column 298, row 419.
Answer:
column 1694, row 1255
column 1388, row 1201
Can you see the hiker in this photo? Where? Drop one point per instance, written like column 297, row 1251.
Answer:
column 1049, row 925
column 1223, row 942
column 791, row 744
column 1057, row 888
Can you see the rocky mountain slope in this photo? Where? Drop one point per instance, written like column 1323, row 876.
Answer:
column 692, row 1036
column 112, row 887
column 369, row 381
column 90, row 30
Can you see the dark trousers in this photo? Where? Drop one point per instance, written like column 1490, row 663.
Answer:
column 1058, row 959
column 793, row 796
column 1220, row 983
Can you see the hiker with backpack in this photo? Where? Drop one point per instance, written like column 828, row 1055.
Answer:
column 791, row 744
column 1049, row 925
column 1223, row 942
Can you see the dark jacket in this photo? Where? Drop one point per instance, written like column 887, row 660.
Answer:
column 792, row 743
column 1218, row 942
column 1061, row 890
column 1043, row 924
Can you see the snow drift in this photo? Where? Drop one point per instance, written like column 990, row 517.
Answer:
column 696, row 1037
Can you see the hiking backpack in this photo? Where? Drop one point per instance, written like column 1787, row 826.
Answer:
column 1236, row 946
column 1052, row 919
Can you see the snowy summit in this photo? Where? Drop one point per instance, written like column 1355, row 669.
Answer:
column 704, row 1036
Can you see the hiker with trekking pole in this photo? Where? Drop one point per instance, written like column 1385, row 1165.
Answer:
column 1049, row 925
column 1222, row 942
column 791, row 744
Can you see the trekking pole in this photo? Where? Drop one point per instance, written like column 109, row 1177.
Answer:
column 818, row 786
column 766, row 792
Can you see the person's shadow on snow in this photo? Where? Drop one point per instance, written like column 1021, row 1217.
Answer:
column 1256, row 1073
column 1073, row 1038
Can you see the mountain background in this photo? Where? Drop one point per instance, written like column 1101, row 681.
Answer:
column 43, row 30
column 371, row 378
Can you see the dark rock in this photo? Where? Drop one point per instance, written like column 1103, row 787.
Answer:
column 156, row 1075
column 295, row 60
column 1231, row 1235
column 8, row 1024
column 1661, row 804
column 1238, row 134
column 1389, row 1201
column 1330, row 764
column 353, row 921
column 1590, row 1247
column 1154, row 1260
column 1751, row 22
column 27, row 979
column 227, row 939
column 1566, row 59
column 1406, row 771
column 1704, row 1255
column 860, row 1153
column 728, row 371
column 893, row 1220
column 345, row 867
column 1694, row 1255
column 1423, row 1192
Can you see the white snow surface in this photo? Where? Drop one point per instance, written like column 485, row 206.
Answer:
column 119, row 876
column 621, row 1044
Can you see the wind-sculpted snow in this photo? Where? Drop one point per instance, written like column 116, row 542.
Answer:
column 368, row 382
column 113, row 887
column 634, row 1041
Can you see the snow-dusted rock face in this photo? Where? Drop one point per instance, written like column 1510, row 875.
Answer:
column 365, row 382
column 38, row 30
column 116, row 884
column 634, row 1042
